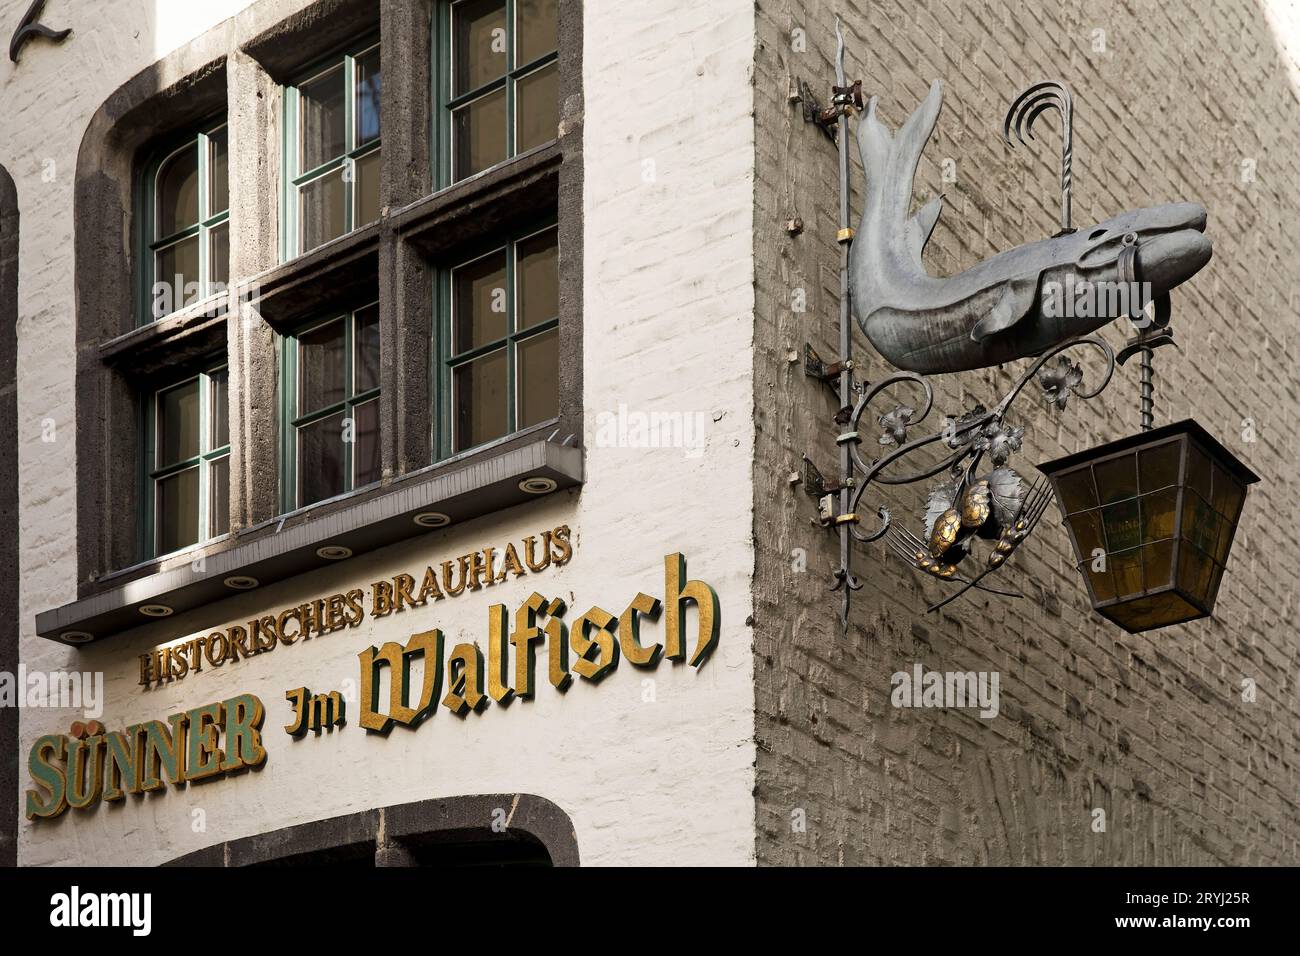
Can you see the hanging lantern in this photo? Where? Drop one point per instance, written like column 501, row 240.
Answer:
column 1152, row 518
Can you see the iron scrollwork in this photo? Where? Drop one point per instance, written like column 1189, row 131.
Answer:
column 1014, row 306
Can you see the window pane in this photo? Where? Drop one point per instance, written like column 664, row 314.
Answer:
column 320, row 460
column 479, row 134
column 368, row 89
column 219, row 410
column 177, row 517
column 321, row 369
column 537, row 108
column 367, row 189
column 178, row 424
column 365, row 447
column 176, row 279
column 321, row 210
column 479, row 302
column 365, row 365
column 178, row 193
column 479, row 400
column 537, row 25
column 537, row 276
column 537, row 362
column 218, row 172
column 478, row 31
column 219, row 258
column 219, row 496
column 323, row 119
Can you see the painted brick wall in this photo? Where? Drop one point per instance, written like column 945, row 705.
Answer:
column 652, row 767
column 1188, row 100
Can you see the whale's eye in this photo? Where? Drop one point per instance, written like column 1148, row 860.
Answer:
column 1096, row 234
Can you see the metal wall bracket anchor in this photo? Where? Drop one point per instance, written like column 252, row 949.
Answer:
column 814, row 366
column 817, row 485
column 845, row 100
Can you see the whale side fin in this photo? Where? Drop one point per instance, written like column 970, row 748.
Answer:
column 920, row 226
column 1017, row 299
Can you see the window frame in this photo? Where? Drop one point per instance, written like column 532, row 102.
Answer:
column 149, row 244
column 292, row 178
column 291, row 421
column 444, row 104
column 151, row 473
column 443, row 439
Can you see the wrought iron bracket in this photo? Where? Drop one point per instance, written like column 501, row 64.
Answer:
column 814, row 366
column 817, row 485
column 845, row 101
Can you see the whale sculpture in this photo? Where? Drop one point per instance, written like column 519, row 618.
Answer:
column 998, row 310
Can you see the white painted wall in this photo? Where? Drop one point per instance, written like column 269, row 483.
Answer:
column 668, row 201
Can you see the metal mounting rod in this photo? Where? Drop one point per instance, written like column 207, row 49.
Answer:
column 845, row 577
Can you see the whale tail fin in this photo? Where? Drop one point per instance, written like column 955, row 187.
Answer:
column 890, row 162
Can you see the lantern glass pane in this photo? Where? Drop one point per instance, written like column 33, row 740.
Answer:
column 1127, row 568
column 1194, row 572
column 1227, row 530
column 1158, row 564
column 1201, row 524
column 1087, row 533
column 1158, row 466
column 1076, row 490
column 1117, row 478
column 1198, row 471
column 1228, row 493
column 1122, row 527
column 1159, row 509
column 1215, row 580
column 1103, row 583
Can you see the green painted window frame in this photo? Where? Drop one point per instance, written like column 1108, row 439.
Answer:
column 291, row 421
column 147, row 211
column 443, row 439
column 293, row 177
column 151, row 474
column 443, row 67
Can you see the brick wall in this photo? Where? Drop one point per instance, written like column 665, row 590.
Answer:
column 1186, row 100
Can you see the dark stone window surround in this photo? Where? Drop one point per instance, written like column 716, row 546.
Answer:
column 389, row 833
column 242, row 63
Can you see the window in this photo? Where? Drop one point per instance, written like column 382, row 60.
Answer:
column 500, row 88
column 501, row 342
column 187, row 455
column 186, row 224
column 331, row 389
column 332, row 151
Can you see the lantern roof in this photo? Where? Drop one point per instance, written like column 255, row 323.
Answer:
column 1187, row 426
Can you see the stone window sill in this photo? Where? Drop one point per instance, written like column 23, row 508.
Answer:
column 189, row 334
column 480, row 207
column 480, row 482
column 342, row 272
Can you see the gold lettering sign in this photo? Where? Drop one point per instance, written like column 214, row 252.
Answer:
column 327, row 615
column 92, row 764
column 83, row 768
column 590, row 647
